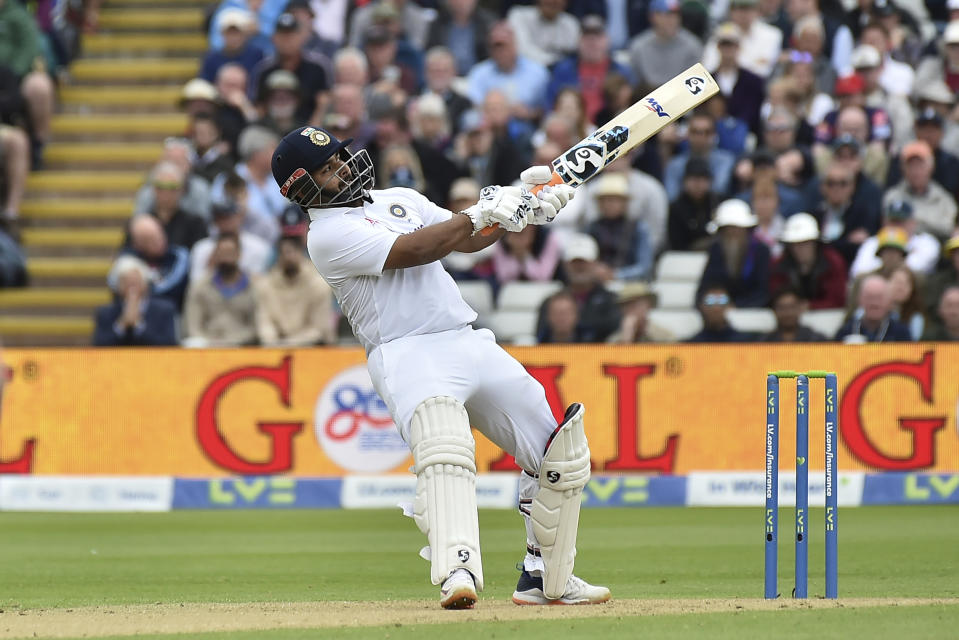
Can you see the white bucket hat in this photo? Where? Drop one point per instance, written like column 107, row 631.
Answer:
column 800, row 227
column 733, row 213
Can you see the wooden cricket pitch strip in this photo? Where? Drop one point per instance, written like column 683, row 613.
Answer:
column 129, row 620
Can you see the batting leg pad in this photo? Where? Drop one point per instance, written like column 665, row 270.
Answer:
column 555, row 509
column 445, row 505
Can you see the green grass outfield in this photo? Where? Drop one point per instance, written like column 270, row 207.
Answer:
column 96, row 564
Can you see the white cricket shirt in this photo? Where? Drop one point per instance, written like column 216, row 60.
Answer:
column 349, row 247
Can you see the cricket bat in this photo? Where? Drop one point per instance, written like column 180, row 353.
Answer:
column 632, row 127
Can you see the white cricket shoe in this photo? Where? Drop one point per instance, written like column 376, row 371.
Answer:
column 458, row 591
column 529, row 590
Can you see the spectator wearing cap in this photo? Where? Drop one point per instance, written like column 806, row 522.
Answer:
column 814, row 270
column 198, row 96
column 665, row 49
column 169, row 264
column 587, row 70
column 743, row 89
column 938, row 97
column 135, row 318
column 545, row 33
column 850, row 93
column 647, row 201
column 393, row 61
column 523, row 80
column 413, row 19
column 844, row 221
column 236, row 26
column 636, row 299
column 440, row 73
column 625, row 252
column 195, row 191
column 532, row 255
column 848, row 152
column 837, row 38
column 868, row 160
column 759, row 42
column 933, row 207
column 598, row 311
column 461, row 27
column 281, row 103
column 946, row 327
column 947, row 275
column 221, row 307
column 294, row 304
column 713, row 302
column 944, row 67
column 691, row 213
column 264, row 14
column 701, row 136
column 929, row 128
column 891, row 251
column 922, row 249
column 182, row 228
column 737, row 259
column 788, row 305
column 896, row 77
column 210, row 153
column 868, row 64
column 229, row 217
column 873, row 319
column 303, row 11
column 310, row 69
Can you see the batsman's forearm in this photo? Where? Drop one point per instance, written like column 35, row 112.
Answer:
column 429, row 243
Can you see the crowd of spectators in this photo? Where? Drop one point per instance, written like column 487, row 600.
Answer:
column 823, row 176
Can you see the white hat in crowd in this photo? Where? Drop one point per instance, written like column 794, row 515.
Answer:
column 865, row 56
column 800, row 227
column 579, row 246
column 235, row 18
column 613, row 183
column 733, row 213
column 951, row 34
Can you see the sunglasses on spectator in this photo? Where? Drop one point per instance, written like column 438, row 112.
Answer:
column 837, row 183
column 800, row 57
column 167, row 185
column 715, row 300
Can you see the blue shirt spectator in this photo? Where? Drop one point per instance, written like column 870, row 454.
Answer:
column 702, row 144
column 235, row 26
column 266, row 17
column 135, row 317
column 169, row 264
column 523, row 81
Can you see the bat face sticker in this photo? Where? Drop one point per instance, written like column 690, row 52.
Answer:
column 590, row 156
column 694, row 84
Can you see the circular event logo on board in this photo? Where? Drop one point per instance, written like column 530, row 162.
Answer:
column 354, row 427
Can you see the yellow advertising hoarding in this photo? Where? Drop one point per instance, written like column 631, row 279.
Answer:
column 312, row 412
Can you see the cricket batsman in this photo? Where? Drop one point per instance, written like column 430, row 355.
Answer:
column 379, row 250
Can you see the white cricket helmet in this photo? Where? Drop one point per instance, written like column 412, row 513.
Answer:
column 800, row 227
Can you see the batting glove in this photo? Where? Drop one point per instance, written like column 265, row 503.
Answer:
column 509, row 207
column 550, row 198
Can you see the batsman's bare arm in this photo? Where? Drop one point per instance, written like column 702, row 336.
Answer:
column 437, row 241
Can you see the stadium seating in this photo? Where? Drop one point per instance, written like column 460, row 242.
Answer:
column 675, row 295
column 516, row 326
column 478, row 294
column 825, row 321
column 525, row 296
column 752, row 320
column 681, row 266
column 681, row 323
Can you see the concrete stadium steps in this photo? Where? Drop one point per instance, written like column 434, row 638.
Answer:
column 120, row 98
column 62, row 298
column 151, row 20
column 41, row 330
column 113, row 210
column 173, row 45
column 68, row 237
column 85, row 155
column 124, row 182
column 129, row 127
column 140, row 70
column 68, row 272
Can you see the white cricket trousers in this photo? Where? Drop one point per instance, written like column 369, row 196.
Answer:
column 505, row 403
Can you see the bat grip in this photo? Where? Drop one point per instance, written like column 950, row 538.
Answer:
column 554, row 179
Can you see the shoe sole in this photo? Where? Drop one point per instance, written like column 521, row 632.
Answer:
column 459, row 599
column 559, row 602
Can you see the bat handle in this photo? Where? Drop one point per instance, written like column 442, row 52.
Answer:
column 554, row 179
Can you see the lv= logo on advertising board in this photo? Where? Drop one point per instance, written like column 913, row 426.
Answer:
column 665, row 409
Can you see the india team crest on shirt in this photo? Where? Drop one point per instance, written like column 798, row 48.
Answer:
column 398, row 210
